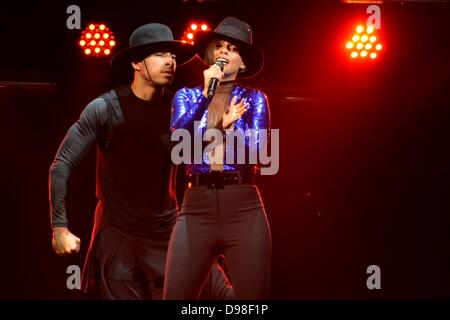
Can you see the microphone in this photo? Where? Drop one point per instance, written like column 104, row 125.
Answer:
column 214, row 81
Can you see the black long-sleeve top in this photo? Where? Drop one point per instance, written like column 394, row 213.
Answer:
column 133, row 163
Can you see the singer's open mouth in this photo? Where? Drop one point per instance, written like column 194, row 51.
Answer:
column 224, row 60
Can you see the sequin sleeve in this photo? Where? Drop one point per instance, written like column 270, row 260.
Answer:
column 259, row 114
column 188, row 106
column 258, row 119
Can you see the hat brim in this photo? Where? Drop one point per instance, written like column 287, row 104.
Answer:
column 252, row 56
column 121, row 60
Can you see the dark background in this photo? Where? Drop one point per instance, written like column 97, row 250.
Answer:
column 364, row 146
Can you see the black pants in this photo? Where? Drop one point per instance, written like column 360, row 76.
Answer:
column 132, row 268
column 229, row 221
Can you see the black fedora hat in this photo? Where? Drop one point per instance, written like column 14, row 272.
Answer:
column 238, row 33
column 148, row 39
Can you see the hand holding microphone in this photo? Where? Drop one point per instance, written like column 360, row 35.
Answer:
column 212, row 76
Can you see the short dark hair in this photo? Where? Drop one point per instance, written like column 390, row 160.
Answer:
column 209, row 51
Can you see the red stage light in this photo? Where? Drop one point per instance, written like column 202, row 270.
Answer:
column 99, row 32
column 364, row 43
column 360, row 29
column 193, row 28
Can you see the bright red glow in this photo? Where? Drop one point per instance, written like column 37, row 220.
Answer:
column 93, row 42
column 364, row 43
column 190, row 32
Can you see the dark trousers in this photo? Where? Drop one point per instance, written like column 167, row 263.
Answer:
column 229, row 221
column 132, row 268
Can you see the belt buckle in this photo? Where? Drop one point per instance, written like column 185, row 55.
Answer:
column 215, row 180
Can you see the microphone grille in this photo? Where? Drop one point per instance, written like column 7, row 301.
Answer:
column 221, row 62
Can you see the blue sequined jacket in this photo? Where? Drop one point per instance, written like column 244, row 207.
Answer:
column 189, row 105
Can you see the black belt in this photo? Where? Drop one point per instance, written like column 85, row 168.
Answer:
column 219, row 179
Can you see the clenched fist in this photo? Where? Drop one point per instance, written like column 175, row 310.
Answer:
column 64, row 242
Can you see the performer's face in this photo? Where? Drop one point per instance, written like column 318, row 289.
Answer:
column 227, row 50
column 161, row 67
